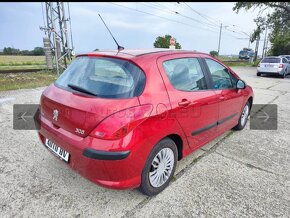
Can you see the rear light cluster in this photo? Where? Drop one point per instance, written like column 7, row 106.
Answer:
column 259, row 65
column 119, row 124
column 281, row 65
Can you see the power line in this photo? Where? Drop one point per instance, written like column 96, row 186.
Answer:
column 213, row 21
column 178, row 13
column 171, row 20
column 200, row 14
column 176, row 21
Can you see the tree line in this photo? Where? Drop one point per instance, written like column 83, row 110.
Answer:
column 37, row 51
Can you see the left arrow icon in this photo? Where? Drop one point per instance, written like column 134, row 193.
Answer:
column 23, row 116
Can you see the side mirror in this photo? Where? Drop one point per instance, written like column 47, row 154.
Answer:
column 241, row 84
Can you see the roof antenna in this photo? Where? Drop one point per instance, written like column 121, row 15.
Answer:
column 120, row 48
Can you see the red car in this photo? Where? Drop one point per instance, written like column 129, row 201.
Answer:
column 124, row 119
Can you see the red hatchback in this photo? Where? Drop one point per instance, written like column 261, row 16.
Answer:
column 123, row 119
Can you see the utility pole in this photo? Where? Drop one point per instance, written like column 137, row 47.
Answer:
column 257, row 46
column 249, row 41
column 266, row 49
column 220, row 39
column 263, row 54
column 60, row 46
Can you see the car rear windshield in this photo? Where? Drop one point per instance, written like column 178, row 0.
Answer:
column 103, row 77
column 271, row 60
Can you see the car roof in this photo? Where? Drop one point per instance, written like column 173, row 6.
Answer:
column 132, row 53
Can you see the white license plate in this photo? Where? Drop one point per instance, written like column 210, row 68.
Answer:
column 59, row 152
column 269, row 65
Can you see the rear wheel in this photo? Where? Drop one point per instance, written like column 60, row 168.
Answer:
column 244, row 117
column 283, row 75
column 159, row 167
column 258, row 74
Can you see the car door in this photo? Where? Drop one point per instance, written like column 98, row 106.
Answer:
column 193, row 104
column 230, row 98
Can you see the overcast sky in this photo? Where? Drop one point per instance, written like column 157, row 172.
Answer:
column 136, row 26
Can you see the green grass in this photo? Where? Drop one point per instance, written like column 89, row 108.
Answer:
column 13, row 81
column 242, row 64
column 23, row 67
column 17, row 60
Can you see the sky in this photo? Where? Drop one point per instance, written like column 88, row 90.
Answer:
column 196, row 26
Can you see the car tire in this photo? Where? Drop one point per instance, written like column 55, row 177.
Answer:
column 283, row 75
column 153, row 183
column 244, row 117
column 258, row 74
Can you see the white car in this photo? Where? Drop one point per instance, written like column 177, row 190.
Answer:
column 274, row 65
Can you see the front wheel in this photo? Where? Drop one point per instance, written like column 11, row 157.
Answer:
column 243, row 118
column 159, row 167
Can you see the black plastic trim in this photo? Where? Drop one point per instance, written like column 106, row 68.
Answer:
column 105, row 155
column 226, row 119
column 219, row 122
column 204, row 129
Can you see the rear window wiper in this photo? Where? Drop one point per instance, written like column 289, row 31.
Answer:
column 80, row 89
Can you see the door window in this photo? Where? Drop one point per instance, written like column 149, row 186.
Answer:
column 185, row 74
column 220, row 75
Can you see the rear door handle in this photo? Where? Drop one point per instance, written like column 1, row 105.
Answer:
column 184, row 103
column 222, row 98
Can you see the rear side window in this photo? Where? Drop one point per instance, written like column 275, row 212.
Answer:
column 284, row 60
column 103, row 77
column 271, row 60
column 185, row 74
column 222, row 78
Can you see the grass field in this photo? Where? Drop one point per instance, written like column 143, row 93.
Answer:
column 15, row 60
column 13, row 81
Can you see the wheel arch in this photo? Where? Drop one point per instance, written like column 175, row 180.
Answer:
column 179, row 144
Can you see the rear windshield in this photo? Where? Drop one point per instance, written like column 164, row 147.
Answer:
column 103, row 77
column 271, row 60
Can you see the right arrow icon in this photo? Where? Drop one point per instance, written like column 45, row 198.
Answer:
column 265, row 116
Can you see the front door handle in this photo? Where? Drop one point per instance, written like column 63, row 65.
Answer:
column 184, row 103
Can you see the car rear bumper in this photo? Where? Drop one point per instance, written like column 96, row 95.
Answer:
column 270, row 71
column 114, row 164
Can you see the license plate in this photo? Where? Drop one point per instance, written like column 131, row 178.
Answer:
column 269, row 65
column 59, row 152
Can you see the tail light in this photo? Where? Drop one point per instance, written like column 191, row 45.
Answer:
column 119, row 124
column 258, row 65
column 281, row 65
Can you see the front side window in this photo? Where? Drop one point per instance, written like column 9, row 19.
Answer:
column 103, row 77
column 185, row 74
column 222, row 78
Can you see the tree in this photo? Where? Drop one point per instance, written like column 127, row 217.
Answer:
column 214, row 53
column 164, row 42
column 278, row 22
column 10, row 51
column 38, row 51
